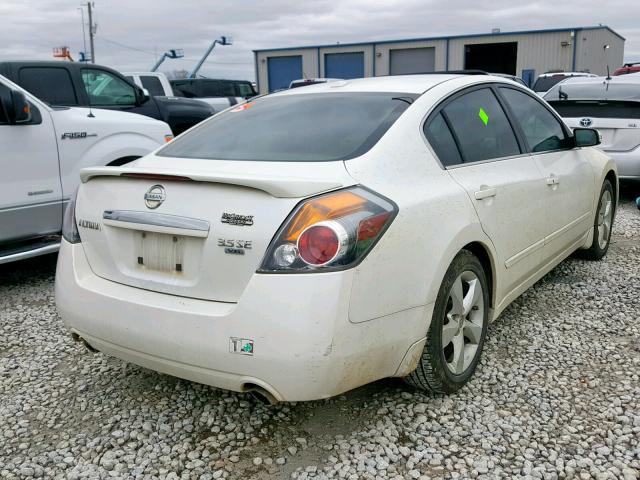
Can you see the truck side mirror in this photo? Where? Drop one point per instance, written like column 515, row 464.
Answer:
column 143, row 96
column 20, row 110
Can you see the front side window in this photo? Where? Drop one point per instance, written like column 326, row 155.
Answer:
column 294, row 128
column 481, row 126
column 105, row 89
column 50, row 84
column 541, row 128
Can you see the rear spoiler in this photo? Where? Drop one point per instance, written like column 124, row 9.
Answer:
column 280, row 186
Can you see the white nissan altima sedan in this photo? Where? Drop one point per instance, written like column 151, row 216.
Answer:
column 311, row 241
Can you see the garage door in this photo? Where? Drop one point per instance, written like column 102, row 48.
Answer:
column 412, row 60
column 283, row 70
column 344, row 65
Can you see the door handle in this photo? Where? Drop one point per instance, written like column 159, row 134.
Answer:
column 553, row 180
column 485, row 193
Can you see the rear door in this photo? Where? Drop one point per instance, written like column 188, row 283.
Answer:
column 475, row 141
column 568, row 176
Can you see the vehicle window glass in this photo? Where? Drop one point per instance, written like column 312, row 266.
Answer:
column 50, row 84
column 106, row 89
column 130, row 78
column 153, row 86
column 244, row 90
column 294, row 128
column 481, row 126
column 441, row 139
column 209, row 88
column 227, row 88
column 5, row 94
column 545, row 83
column 542, row 130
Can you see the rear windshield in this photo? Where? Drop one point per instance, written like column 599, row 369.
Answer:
column 303, row 127
column 545, row 83
column 597, row 109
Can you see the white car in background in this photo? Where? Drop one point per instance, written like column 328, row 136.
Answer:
column 305, row 82
column 547, row 80
column 369, row 229
column 611, row 105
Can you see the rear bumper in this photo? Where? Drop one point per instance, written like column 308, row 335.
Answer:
column 305, row 347
column 628, row 163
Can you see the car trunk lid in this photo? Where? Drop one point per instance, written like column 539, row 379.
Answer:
column 201, row 234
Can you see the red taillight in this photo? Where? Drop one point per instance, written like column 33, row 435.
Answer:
column 322, row 243
column 332, row 231
column 372, row 226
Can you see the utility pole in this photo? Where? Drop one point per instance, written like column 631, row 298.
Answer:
column 92, row 32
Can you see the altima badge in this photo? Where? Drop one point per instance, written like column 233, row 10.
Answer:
column 235, row 219
column 155, row 196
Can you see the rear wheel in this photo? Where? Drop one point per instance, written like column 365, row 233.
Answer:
column 458, row 328
column 602, row 225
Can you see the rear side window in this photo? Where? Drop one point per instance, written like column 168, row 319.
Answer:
column 481, row 126
column 440, row 138
column 545, row 83
column 153, row 86
column 50, row 84
column 294, row 128
column 541, row 128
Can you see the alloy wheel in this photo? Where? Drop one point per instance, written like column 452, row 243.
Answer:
column 463, row 323
column 605, row 218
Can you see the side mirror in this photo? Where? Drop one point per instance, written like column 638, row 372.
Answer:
column 586, row 137
column 143, row 96
column 20, row 110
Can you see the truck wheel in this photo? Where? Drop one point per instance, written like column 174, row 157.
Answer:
column 458, row 328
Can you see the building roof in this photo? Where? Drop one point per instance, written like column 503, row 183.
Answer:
column 449, row 37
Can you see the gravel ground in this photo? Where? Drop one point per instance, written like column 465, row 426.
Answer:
column 557, row 395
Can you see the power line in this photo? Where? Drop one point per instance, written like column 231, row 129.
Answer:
column 122, row 45
column 129, row 47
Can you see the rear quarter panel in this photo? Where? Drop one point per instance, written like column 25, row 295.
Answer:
column 435, row 220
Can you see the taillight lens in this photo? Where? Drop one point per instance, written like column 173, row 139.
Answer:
column 69, row 226
column 333, row 231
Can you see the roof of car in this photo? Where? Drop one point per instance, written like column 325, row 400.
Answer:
column 623, row 87
column 567, row 74
column 397, row 83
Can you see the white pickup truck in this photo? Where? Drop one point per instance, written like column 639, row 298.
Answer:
column 219, row 94
column 42, row 151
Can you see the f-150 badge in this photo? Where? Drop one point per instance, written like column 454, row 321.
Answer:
column 77, row 135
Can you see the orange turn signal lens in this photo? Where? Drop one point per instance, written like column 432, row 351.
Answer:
column 329, row 207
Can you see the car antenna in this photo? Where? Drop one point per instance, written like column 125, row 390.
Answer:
column 608, row 74
column 91, row 115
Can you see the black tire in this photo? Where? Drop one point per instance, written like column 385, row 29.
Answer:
column 597, row 251
column 432, row 373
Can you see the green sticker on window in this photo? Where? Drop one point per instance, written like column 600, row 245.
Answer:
column 483, row 116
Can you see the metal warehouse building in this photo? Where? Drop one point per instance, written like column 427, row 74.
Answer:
column 526, row 54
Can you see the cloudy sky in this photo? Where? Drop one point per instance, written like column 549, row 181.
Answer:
column 131, row 33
